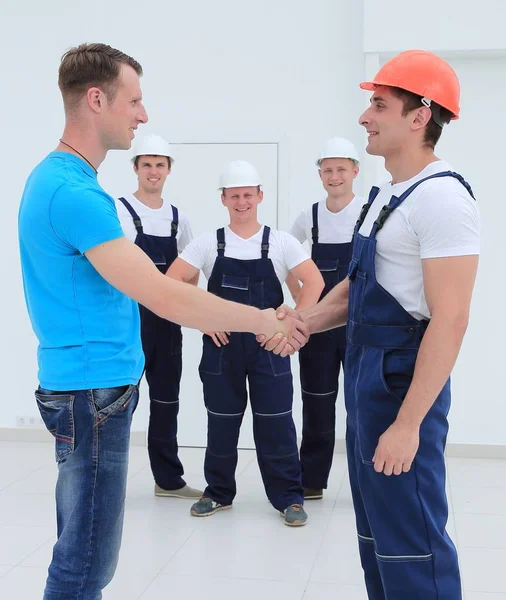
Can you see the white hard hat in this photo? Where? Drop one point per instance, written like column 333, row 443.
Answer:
column 337, row 147
column 152, row 145
column 239, row 173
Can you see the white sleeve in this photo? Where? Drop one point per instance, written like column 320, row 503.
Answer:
column 186, row 235
column 199, row 251
column 447, row 222
column 298, row 229
column 293, row 252
column 126, row 221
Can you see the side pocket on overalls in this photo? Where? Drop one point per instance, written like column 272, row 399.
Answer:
column 280, row 365
column 212, row 357
column 397, row 370
column 57, row 412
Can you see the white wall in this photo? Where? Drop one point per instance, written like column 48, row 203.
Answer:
column 267, row 71
column 448, row 25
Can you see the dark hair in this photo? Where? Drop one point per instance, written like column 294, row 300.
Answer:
column 434, row 128
column 136, row 159
column 91, row 65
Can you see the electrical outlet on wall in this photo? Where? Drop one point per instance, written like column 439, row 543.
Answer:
column 30, row 421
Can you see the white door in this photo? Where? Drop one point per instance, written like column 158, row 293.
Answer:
column 192, row 187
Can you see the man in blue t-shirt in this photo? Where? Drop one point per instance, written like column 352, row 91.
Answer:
column 82, row 280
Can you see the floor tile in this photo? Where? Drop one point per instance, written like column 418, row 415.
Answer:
column 479, row 500
column 477, row 472
column 246, row 552
column 223, row 589
column 481, row 531
column 27, row 509
column 225, row 553
column 23, row 583
column 18, row 543
column 484, row 596
column 330, row 591
column 5, row 569
column 483, row 569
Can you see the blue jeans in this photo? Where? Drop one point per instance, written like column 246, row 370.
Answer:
column 92, row 433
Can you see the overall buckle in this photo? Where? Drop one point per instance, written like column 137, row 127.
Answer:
column 383, row 216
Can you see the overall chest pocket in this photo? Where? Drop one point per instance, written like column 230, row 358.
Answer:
column 327, row 265
column 236, row 289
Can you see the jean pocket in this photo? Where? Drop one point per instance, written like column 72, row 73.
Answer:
column 57, row 412
column 116, row 400
column 280, row 365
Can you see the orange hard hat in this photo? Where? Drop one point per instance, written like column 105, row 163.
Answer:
column 421, row 73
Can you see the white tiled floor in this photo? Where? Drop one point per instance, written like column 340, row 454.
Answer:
column 244, row 553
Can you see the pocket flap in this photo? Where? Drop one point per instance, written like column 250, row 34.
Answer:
column 236, row 283
column 327, row 264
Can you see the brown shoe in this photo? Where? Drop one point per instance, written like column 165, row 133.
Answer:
column 185, row 492
column 313, row 494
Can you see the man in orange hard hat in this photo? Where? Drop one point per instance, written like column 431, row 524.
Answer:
column 406, row 304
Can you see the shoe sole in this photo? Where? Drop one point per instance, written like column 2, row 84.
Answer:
column 170, row 495
column 313, row 497
column 209, row 514
column 296, row 524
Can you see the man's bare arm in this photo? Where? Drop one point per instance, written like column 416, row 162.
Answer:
column 129, row 269
column 330, row 312
column 312, row 284
column 448, row 285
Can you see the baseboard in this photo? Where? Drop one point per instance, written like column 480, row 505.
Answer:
column 138, row 438
column 36, row 434
column 455, row 450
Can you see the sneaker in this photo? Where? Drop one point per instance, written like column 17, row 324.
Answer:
column 206, row 507
column 295, row 515
column 185, row 492
column 313, row 494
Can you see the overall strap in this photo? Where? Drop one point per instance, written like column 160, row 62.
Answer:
column 365, row 208
column 133, row 214
column 314, row 228
column 220, row 237
column 265, row 242
column 395, row 201
column 175, row 222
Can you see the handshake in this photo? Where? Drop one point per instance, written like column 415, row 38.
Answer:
column 290, row 331
column 280, row 331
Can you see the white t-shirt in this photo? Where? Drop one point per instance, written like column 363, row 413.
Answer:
column 285, row 251
column 333, row 228
column 155, row 221
column 439, row 219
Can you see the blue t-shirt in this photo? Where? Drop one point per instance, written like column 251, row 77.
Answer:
column 88, row 331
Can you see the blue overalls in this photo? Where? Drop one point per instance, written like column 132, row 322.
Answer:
column 162, row 345
column 405, row 550
column 224, row 371
column 320, row 362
